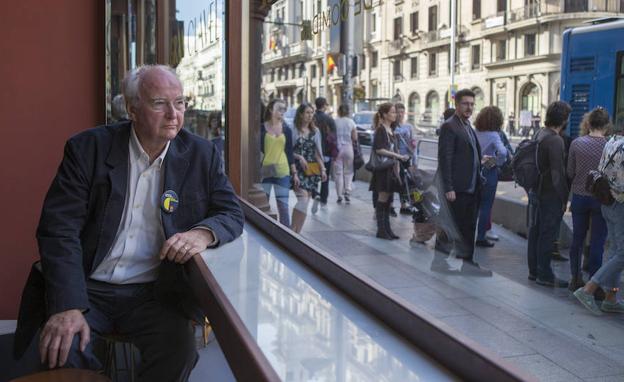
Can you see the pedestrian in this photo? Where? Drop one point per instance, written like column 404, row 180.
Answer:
column 608, row 276
column 327, row 127
column 494, row 154
column 511, row 124
column 584, row 156
column 459, row 168
column 278, row 165
column 308, row 155
column 547, row 202
column 385, row 181
column 405, row 142
column 346, row 137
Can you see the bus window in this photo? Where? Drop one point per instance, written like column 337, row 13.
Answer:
column 619, row 91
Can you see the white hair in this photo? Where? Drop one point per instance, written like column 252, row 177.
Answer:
column 132, row 82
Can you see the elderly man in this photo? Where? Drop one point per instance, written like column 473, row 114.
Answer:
column 129, row 205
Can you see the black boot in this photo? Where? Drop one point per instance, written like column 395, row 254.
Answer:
column 380, row 212
column 387, row 221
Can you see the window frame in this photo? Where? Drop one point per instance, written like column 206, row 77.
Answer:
column 414, row 67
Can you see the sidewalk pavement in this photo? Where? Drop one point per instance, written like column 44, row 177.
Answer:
column 542, row 330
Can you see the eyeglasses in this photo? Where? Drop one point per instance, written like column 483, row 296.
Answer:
column 162, row 105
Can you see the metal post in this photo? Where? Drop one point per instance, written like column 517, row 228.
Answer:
column 453, row 32
column 347, row 81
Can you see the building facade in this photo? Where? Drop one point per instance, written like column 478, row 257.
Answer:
column 507, row 51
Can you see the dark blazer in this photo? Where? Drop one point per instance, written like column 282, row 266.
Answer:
column 456, row 157
column 83, row 208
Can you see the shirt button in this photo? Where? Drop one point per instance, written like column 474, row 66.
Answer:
column 131, row 236
column 137, row 206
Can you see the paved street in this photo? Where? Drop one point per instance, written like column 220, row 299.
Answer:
column 541, row 330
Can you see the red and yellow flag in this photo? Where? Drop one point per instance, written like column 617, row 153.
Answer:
column 331, row 64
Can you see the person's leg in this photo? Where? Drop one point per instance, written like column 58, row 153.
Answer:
column 580, row 207
column 550, row 214
column 608, row 276
column 325, row 184
column 300, row 210
column 381, row 213
column 101, row 299
column 282, row 189
column 487, row 200
column 464, row 210
column 163, row 336
column 339, row 174
column 533, row 233
column 598, row 238
column 347, row 167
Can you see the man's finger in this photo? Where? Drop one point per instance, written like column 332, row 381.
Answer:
column 53, row 350
column 184, row 250
column 44, row 342
column 167, row 246
column 85, row 336
column 66, row 342
column 175, row 250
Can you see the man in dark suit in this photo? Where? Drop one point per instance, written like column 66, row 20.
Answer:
column 129, row 205
column 459, row 169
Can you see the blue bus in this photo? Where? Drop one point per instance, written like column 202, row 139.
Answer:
column 592, row 70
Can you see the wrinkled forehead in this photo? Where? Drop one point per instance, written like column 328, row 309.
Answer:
column 160, row 83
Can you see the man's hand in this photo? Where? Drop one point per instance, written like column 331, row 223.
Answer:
column 57, row 336
column 450, row 196
column 184, row 245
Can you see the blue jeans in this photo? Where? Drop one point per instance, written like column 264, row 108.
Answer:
column 583, row 208
column 545, row 213
column 608, row 276
column 282, row 188
column 488, row 193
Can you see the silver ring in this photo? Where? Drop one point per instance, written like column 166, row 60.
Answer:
column 186, row 247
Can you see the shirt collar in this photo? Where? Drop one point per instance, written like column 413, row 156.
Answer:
column 136, row 150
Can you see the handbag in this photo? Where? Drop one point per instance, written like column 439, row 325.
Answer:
column 505, row 172
column 597, row 183
column 313, row 169
column 378, row 162
column 358, row 158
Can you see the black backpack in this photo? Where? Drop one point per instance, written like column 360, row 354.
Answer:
column 524, row 164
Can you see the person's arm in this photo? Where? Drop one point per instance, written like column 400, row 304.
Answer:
column 62, row 219
column 571, row 170
column 446, row 149
column 501, row 151
column 289, row 146
column 556, row 152
column 319, row 158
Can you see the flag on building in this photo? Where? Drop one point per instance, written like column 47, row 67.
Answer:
column 331, row 64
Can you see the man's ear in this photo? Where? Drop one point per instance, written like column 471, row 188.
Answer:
column 131, row 109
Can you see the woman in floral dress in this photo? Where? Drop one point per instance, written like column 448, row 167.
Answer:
column 307, row 152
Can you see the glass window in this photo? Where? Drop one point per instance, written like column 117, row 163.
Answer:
column 433, row 19
column 529, row 44
column 433, row 69
column 414, row 22
column 476, row 9
column 619, row 92
column 396, row 69
column 414, row 67
column 501, row 50
column 398, row 27
column 374, row 59
column 476, row 57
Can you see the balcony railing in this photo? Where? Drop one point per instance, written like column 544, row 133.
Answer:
column 548, row 7
column 441, row 34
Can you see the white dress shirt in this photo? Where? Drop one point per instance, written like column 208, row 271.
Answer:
column 133, row 257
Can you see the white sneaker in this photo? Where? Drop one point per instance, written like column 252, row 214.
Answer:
column 491, row 236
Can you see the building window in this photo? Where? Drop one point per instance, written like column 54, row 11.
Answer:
column 501, row 6
column 398, row 28
column 313, row 69
column 272, row 75
column 433, row 70
column 396, row 70
column 476, row 57
column 414, row 67
column 373, row 23
column 433, row 18
column 476, row 9
column 414, row 22
column 529, row 44
column 301, row 70
column 374, row 59
column 501, row 50
column 362, row 60
column 374, row 91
